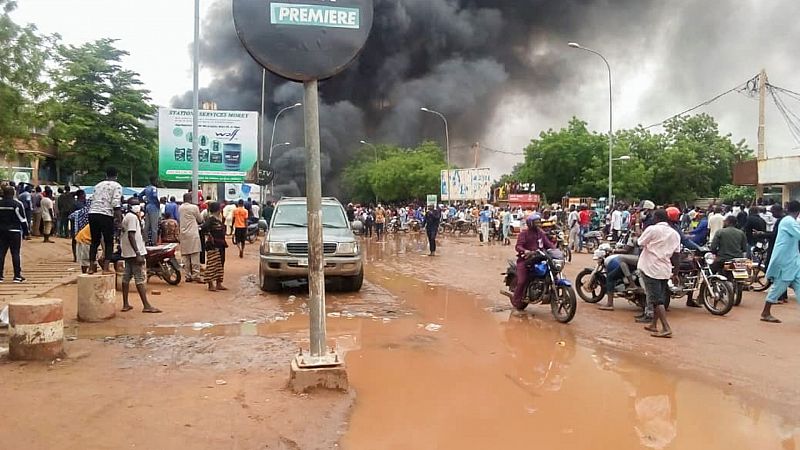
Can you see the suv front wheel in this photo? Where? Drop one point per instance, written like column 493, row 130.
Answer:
column 354, row 283
column 270, row 284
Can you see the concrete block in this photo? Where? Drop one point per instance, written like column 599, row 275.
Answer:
column 36, row 329
column 303, row 380
column 97, row 297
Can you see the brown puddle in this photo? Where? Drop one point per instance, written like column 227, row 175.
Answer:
column 497, row 380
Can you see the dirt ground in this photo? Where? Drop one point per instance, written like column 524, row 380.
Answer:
column 435, row 358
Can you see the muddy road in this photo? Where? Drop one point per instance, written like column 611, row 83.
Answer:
column 435, row 357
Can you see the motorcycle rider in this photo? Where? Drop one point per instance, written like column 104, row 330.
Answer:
column 618, row 267
column 674, row 215
column 728, row 244
column 529, row 242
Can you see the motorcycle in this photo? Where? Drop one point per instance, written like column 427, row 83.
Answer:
column 591, row 240
column 558, row 237
column 394, row 226
column 737, row 271
column 252, row 232
column 758, row 272
column 695, row 276
column 161, row 262
column 414, row 225
column 462, row 226
column 546, row 284
column 591, row 283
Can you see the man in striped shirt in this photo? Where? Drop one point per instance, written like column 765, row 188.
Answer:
column 13, row 227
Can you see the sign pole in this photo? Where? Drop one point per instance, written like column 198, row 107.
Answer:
column 196, row 105
column 316, row 263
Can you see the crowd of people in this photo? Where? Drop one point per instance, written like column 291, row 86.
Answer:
column 107, row 230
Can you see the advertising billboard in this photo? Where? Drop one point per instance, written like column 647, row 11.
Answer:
column 466, row 184
column 228, row 145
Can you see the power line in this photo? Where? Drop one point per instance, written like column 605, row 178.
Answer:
column 738, row 87
column 790, row 117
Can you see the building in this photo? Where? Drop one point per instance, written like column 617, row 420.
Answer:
column 32, row 161
column 775, row 178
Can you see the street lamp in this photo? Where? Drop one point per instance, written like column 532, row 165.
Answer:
column 363, row 142
column 610, row 117
column 623, row 158
column 447, row 145
column 279, row 145
column 272, row 140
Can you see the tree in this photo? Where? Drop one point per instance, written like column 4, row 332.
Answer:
column 23, row 54
column 730, row 193
column 99, row 111
column 398, row 175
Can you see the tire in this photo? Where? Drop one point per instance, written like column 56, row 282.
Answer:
column 759, row 280
column 568, row 253
column 354, row 283
column 171, row 272
column 270, row 284
column 564, row 305
column 737, row 295
column 721, row 303
column 251, row 238
column 597, row 292
column 591, row 244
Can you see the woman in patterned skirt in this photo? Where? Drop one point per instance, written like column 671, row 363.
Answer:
column 214, row 229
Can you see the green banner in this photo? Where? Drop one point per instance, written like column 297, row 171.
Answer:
column 315, row 15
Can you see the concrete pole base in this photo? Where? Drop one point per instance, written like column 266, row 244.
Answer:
column 36, row 329
column 97, row 297
column 303, row 380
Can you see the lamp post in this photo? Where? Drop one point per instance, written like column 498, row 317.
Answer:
column 610, row 117
column 447, row 145
column 272, row 141
column 279, row 145
column 196, row 103
column 363, row 142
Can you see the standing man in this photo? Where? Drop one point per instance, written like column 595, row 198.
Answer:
column 152, row 211
column 505, row 217
column 66, row 205
column 268, row 210
column 574, row 227
column 380, row 221
column 172, row 209
column 240, row 216
column 784, row 265
column 190, row 238
column 616, row 222
column 754, row 226
column 585, row 219
column 47, row 215
column 25, row 198
column 715, row 220
column 104, row 212
column 13, row 226
column 255, row 211
column 659, row 242
column 133, row 252
column 36, row 208
column 431, row 221
column 484, row 218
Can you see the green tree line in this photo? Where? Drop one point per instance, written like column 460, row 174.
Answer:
column 690, row 159
column 92, row 109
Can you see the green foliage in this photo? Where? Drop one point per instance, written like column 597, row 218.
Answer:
column 23, row 54
column 399, row 174
column 689, row 160
column 98, row 111
column 730, row 193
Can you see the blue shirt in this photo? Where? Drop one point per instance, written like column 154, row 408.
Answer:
column 150, row 196
column 486, row 216
column 700, row 234
column 785, row 262
column 172, row 209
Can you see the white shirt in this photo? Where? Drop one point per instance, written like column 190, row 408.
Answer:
column 130, row 223
column 769, row 219
column 256, row 210
column 573, row 219
column 107, row 196
column 47, row 208
column 715, row 223
column 658, row 243
column 616, row 220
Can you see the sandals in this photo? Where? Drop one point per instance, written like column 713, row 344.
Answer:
column 770, row 319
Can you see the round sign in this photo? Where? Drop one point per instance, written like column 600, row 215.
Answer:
column 303, row 40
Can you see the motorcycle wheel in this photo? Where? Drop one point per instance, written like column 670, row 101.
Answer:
column 737, row 296
column 759, row 281
column 567, row 253
column 717, row 296
column 596, row 289
column 564, row 305
column 591, row 244
column 171, row 272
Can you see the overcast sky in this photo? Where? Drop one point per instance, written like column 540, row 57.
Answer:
column 651, row 80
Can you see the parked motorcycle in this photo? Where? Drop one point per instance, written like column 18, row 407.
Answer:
column 161, row 262
column 546, row 284
column 758, row 272
column 462, row 226
column 252, row 232
column 695, row 276
column 414, row 225
column 591, row 283
column 592, row 239
column 558, row 237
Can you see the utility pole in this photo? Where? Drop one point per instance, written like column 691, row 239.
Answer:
column 762, row 97
column 196, row 104
column 477, row 147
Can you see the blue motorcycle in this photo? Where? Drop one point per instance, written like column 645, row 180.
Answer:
column 546, row 284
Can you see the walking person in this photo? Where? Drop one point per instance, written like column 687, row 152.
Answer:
column 152, row 210
column 133, row 253
column 574, row 227
column 784, row 264
column 505, row 217
column 659, row 243
column 380, row 221
column 48, row 215
column 65, row 205
column 13, row 227
column 431, row 221
column 36, row 209
column 240, row 216
column 216, row 245
column 485, row 217
column 369, row 222
column 227, row 213
column 191, row 244
column 104, row 211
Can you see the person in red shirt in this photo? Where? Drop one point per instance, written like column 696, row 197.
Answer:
column 240, row 216
column 585, row 219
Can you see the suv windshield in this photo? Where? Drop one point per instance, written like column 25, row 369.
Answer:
column 294, row 215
